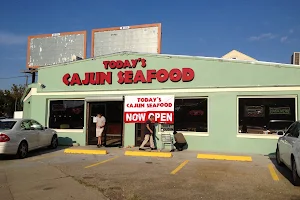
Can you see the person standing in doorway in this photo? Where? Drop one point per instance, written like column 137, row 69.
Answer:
column 149, row 134
column 100, row 124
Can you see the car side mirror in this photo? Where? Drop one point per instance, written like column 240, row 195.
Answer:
column 280, row 133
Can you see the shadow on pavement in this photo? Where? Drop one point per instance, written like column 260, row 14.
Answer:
column 37, row 152
column 282, row 169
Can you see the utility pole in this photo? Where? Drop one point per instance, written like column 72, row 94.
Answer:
column 26, row 83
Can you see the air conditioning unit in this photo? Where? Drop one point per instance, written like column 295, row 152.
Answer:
column 295, row 58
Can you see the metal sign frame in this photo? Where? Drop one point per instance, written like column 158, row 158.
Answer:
column 84, row 33
column 158, row 25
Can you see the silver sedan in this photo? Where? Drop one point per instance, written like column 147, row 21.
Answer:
column 19, row 136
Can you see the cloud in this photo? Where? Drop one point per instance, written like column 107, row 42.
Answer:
column 264, row 36
column 291, row 31
column 7, row 38
column 283, row 39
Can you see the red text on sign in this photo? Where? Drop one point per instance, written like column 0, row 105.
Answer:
column 119, row 64
column 90, row 78
column 162, row 75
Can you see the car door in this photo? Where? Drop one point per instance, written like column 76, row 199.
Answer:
column 291, row 140
column 27, row 133
column 283, row 144
column 41, row 133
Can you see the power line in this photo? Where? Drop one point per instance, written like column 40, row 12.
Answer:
column 13, row 77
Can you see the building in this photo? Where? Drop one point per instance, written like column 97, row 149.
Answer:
column 295, row 59
column 236, row 55
column 220, row 105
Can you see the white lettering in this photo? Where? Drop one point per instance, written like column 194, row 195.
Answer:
column 135, row 117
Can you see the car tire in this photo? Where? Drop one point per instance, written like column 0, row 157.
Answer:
column 295, row 176
column 22, row 150
column 54, row 142
column 278, row 159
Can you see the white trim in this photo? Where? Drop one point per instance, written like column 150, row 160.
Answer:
column 69, row 130
column 258, row 136
column 172, row 91
column 249, row 135
column 197, row 134
column 32, row 91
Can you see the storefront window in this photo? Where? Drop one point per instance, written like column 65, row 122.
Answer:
column 266, row 115
column 191, row 115
column 66, row 114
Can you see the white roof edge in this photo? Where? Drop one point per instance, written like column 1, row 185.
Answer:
column 178, row 56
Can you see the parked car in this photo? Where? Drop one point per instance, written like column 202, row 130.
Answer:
column 288, row 151
column 19, row 136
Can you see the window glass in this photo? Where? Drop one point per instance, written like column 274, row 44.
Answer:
column 26, row 125
column 191, row 115
column 6, row 125
column 266, row 115
column 35, row 125
column 66, row 114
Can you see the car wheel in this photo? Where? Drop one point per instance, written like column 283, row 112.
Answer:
column 278, row 159
column 22, row 150
column 54, row 142
column 296, row 179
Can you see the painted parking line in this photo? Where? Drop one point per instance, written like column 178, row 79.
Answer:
column 273, row 172
column 98, row 163
column 225, row 157
column 177, row 169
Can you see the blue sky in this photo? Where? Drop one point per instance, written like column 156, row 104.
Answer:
column 267, row 30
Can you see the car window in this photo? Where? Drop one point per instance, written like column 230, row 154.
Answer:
column 7, row 125
column 290, row 129
column 296, row 130
column 35, row 125
column 25, row 125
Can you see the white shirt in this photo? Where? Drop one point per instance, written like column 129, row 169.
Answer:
column 100, row 121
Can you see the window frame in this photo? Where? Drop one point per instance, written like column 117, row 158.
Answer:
column 189, row 133
column 67, row 130
column 262, row 136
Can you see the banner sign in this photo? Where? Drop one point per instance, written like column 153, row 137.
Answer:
column 280, row 111
column 138, row 109
column 254, row 111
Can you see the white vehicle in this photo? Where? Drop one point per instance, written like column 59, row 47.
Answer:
column 288, row 151
column 19, row 136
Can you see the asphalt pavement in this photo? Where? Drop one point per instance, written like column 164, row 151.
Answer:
column 47, row 175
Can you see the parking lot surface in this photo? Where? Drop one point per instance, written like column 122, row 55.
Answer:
column 46, row 175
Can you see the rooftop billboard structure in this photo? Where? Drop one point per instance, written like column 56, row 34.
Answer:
column 51, row 49
column 144, row 38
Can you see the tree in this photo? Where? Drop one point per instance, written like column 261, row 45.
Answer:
column 10, row 100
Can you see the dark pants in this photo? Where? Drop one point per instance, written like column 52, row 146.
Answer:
column 179, row 146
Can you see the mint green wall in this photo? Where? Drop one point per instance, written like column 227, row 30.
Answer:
column 209, row 73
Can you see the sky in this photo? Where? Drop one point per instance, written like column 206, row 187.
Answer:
column 267, row 30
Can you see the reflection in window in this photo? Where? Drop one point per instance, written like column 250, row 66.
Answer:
column 66, row 114
column 191, row 115
column 266, row 115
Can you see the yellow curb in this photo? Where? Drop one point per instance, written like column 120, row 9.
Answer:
column 224, row 157
column 149, row 154
column 85, row 151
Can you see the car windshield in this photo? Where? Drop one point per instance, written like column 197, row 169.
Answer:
column 7, row 125
column 280, row 125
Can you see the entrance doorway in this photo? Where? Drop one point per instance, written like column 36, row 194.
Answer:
column 113, row 132
column 140, row 134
